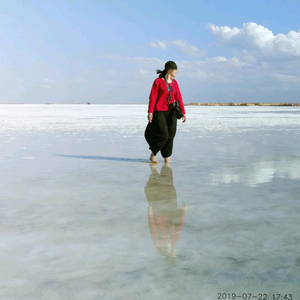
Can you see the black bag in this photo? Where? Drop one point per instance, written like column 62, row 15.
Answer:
column 174, row 105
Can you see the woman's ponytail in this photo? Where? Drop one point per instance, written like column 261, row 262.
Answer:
column 161, row 73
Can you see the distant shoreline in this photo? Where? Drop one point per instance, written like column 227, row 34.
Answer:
column 186, row 104
column 242, row 104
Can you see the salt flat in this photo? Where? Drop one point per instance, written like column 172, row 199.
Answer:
column 84, row 216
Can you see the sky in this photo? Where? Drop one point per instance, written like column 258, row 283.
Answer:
column 108, row 51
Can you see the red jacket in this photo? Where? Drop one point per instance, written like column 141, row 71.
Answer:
column 159, row 93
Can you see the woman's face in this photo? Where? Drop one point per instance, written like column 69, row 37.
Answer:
column 173, row 72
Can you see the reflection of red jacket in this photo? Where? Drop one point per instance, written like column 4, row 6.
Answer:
column 162, row 230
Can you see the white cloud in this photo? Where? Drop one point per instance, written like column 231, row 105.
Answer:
column 139, row 59
column 258, row 39
column 146, row 65
column 147, row 60
column 260, row 55
column 132, row 83
column 286, row 78
column 81, row 80
column 158, row 45
column 236, row 62
column 217, row 59
column 112, row 57
column 184, row 46
column 201, row 75
column 47, row 86
column 46, row 80
column 215, row 69
column 145, row 73
column 188, row 49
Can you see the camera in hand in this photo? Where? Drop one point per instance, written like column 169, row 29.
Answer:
column 175, row 106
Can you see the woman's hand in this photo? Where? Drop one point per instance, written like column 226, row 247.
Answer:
column 183, row 118
column 150, row 117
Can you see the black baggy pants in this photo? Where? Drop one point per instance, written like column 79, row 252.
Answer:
column 160, row 133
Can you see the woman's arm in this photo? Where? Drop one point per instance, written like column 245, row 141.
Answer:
column 153, row 96
column 179, row 98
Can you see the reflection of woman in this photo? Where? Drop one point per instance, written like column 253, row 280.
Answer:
column 165, row 219
column 161, row 128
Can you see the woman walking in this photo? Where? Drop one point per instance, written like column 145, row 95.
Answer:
column 165, row 106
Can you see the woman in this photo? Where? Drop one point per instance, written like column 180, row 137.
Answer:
column 161, row 128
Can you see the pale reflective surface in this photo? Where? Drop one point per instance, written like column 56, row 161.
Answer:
column 83, row 216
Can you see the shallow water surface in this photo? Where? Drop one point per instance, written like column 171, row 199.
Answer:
column 85, row 216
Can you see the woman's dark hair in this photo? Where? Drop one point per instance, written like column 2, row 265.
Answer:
column 168, row 65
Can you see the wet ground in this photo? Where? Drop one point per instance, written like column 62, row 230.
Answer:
column 85, row 216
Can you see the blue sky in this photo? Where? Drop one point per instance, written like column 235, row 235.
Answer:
column 108, row 51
